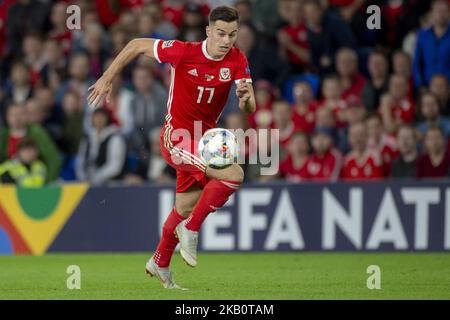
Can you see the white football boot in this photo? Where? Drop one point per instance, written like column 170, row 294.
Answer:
column 188, row 243
column 163, row 274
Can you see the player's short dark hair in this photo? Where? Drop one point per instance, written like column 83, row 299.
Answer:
column 224, row 13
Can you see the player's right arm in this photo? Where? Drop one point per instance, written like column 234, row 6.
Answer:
column 133, row 49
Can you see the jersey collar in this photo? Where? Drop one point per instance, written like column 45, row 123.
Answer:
column 206, row 54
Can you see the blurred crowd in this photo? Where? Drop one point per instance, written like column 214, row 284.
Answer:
column 350, row 102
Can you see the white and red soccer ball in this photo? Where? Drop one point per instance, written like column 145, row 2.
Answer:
column 218, row 148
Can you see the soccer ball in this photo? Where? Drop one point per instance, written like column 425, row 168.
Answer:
column 219, row 148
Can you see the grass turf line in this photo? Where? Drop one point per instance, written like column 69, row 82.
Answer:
column 231, row 276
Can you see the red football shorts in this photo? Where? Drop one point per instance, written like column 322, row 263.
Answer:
column 181, row 153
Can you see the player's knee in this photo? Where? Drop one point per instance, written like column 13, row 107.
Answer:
column 236, row 173
column 184, row 209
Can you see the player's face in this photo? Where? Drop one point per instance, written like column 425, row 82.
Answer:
column 222, row 36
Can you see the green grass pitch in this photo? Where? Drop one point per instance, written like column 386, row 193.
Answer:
column 231, row 276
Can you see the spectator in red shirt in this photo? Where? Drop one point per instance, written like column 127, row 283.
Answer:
column 173, row 11
column 396, row 107
column 352, row 82
column 264, row 96
column 294, row 167
column 361, row 163
column 325, row 163
column 402, row 65
column 293, row 38
column 32, row 47
column 3, row 18
column 304, row 107
column 332, row 99
column 435, row 162
column 59, row 31
column 354, row 113
column 282, row 120
column 382, row 143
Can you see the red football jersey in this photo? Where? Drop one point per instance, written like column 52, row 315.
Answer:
column 337, row 110
column 200, row 84
column 306, row 121
column 285, row 135
column 325, row 168
column 404, row 110
column 290, row 172
column 369, row 168
column 299, row 35
column 388, row 150
column 354, row 91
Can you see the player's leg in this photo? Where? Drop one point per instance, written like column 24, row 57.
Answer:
column 221, row 185
column 184, row 203
column 187, row 194
column 158, row 265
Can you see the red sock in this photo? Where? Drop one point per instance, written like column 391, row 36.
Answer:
column 214, row 196
column 168, row 241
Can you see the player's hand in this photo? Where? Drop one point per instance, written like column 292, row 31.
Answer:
column 98, row 91
column 243, row 91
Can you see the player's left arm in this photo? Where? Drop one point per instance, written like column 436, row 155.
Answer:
column 246, row 95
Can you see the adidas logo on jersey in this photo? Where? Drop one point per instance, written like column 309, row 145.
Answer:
column 193, row 72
